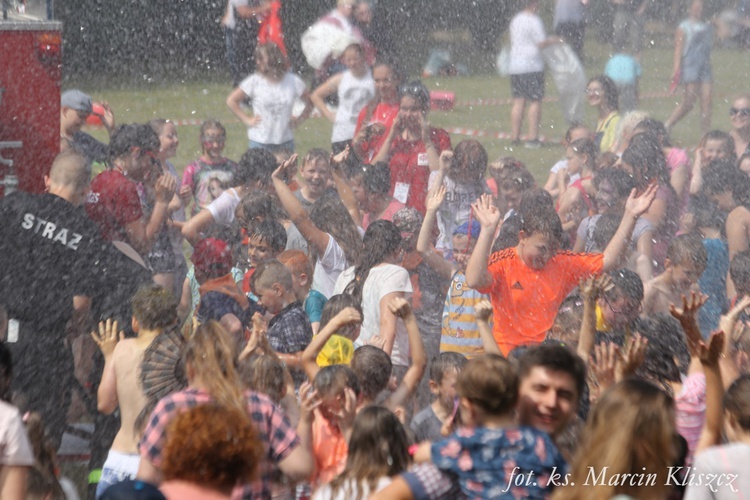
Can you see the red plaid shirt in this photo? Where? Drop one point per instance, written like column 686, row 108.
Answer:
column 278, row 437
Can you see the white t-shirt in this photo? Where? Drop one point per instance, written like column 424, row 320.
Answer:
column 349, row 490
column 526, row 32
column 15, row 449
column 562, row 165
column 232, row 18
column 273, row 102
column 354, row 94
column 328, row 268
column 382, row 280
column 223, row 207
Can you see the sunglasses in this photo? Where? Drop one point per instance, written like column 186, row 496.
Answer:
column 739, row 111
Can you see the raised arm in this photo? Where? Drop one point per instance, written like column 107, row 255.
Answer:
column 319, row 95
column 385, row 150
column 488, row 216
column 424, row 243
column 635, row 206
column 709, row 358
column 318, row 239
column 696, row 179
column 143, row 235
column 401, row 308
column 346, row 317
column 483, row 313
column 107, row 339
column 342, row 186
column 591, row 289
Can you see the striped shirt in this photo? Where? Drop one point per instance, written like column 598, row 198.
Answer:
column 460, row 333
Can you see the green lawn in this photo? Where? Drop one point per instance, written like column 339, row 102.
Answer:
column 197, row 100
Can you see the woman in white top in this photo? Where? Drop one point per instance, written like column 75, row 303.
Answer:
column 378, row 450
column 272, row 91
column 331, row 234
column 355, row 88
column 375, row 282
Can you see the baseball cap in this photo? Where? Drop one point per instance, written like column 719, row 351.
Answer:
column 469, row 228
column 75, row 99
column 212, row 255
column 132, row 490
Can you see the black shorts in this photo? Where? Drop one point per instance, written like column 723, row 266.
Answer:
column 528, row 86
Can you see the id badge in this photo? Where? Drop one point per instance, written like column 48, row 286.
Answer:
column 422, row 160
column 401, row 192
column 13, row 326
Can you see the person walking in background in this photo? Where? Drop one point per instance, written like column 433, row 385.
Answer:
column 570, row 23
column 692, row 66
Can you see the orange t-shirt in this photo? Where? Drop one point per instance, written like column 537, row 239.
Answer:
column 525, row 300
column 329, row 449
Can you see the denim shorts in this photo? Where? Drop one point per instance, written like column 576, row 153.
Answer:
column 117, row 468
column 273, row 148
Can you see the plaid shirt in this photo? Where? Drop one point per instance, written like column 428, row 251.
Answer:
column 290, row 330
column 427, row 482
column 278, row 437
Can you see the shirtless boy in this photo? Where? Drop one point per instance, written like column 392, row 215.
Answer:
column 154, row 309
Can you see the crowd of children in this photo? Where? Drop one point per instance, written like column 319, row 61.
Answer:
column 586, row 339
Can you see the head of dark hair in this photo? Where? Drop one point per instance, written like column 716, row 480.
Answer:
column 621, row 181
column 657, row 128
column 154, row 307
column 518, row 179
column 554, row 357
column 469, row 162
column 334, row 379
column 382, row 240
column 542, row 220
column 490, row 382
column 377, row 179
column 534, row 199
column 737, row 401
column 605, row 229
column 611, row 94
column 575, row 125
column 706, row 213
column 417, row 91
column 330, row 215
column 667, row 354
column 255, row 166
column 373, row 368
column 444, row 362
column 257, row 206
column 627, row 283
column 720, row 135
column 271, row 232
column 268, row 274
column 335, row 305
column 645, row 155
column 739, row 271
column 133, row 135
column 720, row 176
column 687, row 248
column 6, row 360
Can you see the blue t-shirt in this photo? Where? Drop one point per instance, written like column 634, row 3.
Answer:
column 713, row 282
column 624, row 69
column 314, row 303
column 514, row 462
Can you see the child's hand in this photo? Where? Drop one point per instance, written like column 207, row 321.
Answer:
column 435, row 198
column 446, row 160
column 632, row 358
column 638, row 205
column 603, row 364
column 108, row 337
column 686, row 315
column 709, row 354
column 483, row 310
column 165, row 187
column 281, row 172
column 486, row 213
column 594, row 286
column 400, row 307
column 347, row 316
column 347, row 412
column 341, row 157
column 185, row 193
column 377, row 341
column 308, row 401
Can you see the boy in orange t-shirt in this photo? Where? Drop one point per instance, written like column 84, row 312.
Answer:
column 528, row 283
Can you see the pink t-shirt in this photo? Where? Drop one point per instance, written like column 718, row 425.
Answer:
column 690, row 405
column 393, row 207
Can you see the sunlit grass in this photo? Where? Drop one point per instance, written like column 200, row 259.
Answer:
column 198, row 101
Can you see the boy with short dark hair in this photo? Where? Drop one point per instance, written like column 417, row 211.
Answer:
column 528, row 283
column 265, row 241
column 685, row 262
column 444, row 370
column 289, row 331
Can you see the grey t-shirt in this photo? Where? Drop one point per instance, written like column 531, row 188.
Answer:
column 729, row 463
column 426, row 426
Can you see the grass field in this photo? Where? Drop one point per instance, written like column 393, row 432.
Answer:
column 198, row 100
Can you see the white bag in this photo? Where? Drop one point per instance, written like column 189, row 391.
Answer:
column 503, row 61
column 569, row 77
column 324, row 39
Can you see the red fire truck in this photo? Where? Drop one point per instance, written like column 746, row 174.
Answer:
column 30, row 79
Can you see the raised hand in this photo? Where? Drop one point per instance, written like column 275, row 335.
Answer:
column 308, row 401
column 347, row 316
column 377, row 341
column 165, row 187
column 341, row 157
column 638, row 205
column 483, row 310
column 632, row 358
column 435, row 198
column 108, row 336
column 347, row 411
column 281, row 172
column 400, row 307
column 689, row 309
column 709, row 354
column 486, row 213
column 594, row 286
column 603, row 364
